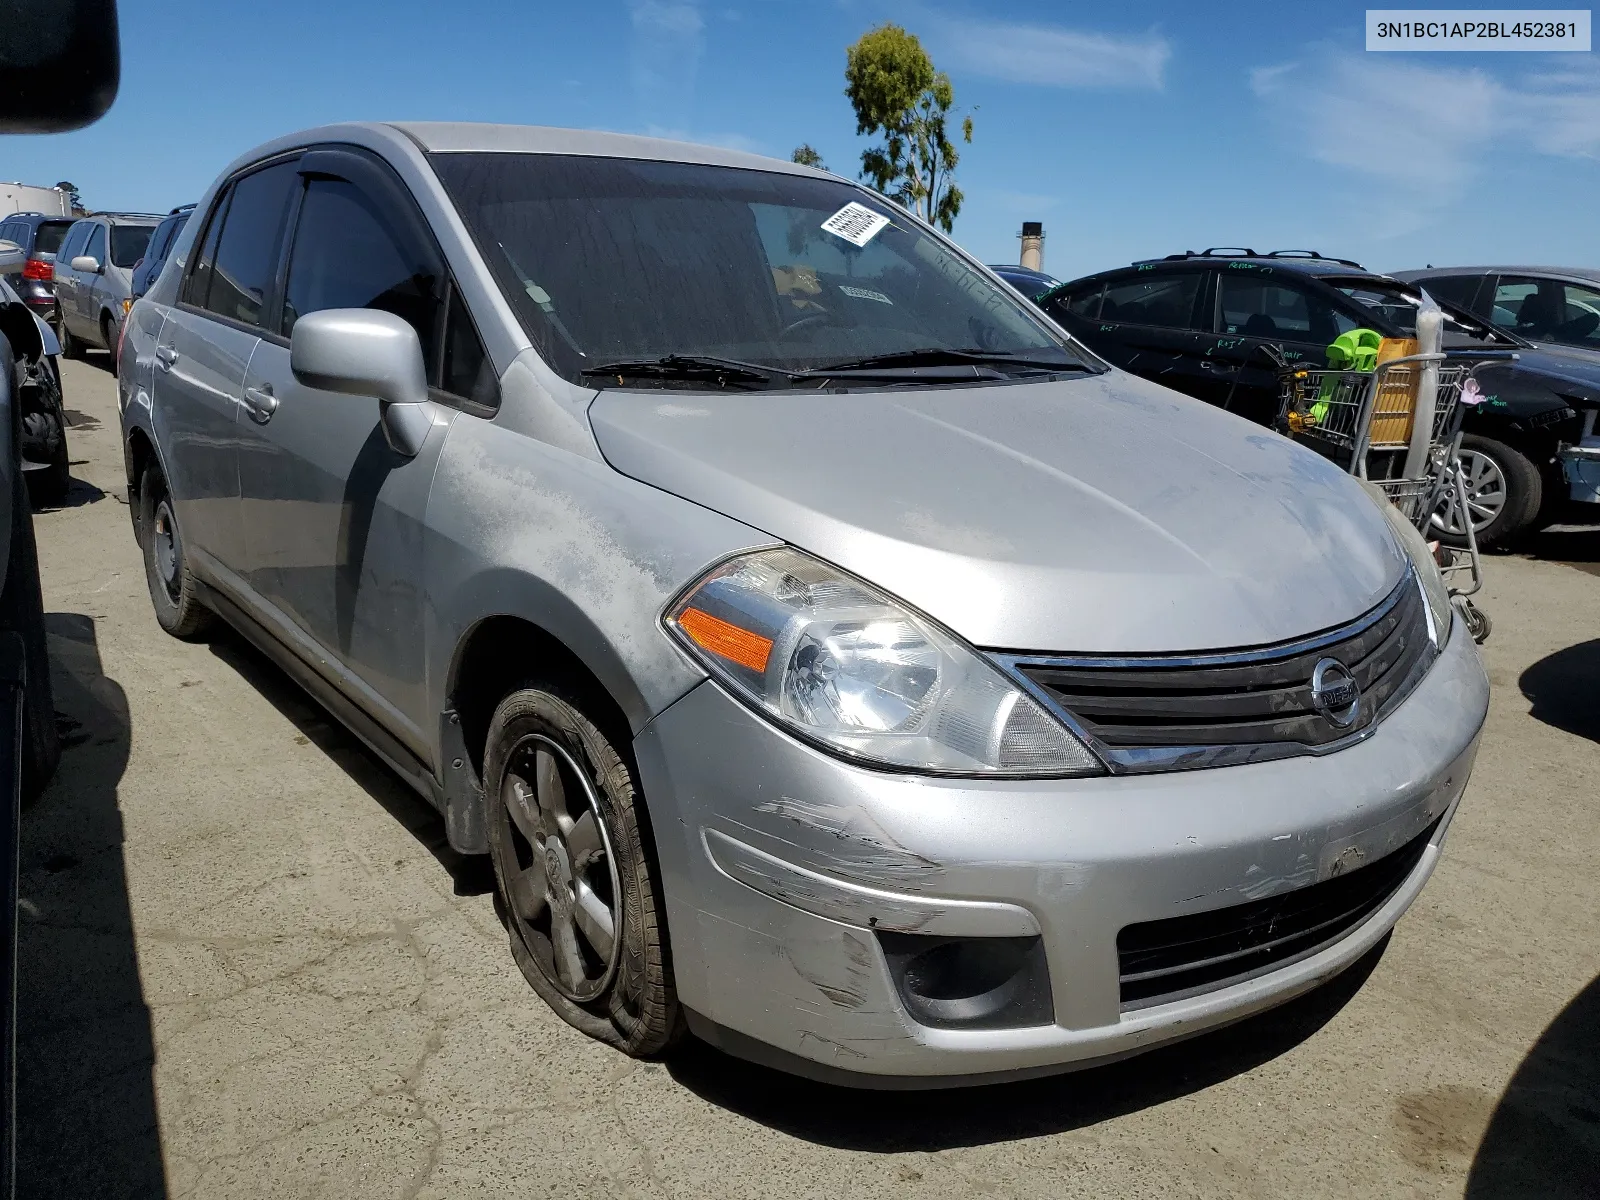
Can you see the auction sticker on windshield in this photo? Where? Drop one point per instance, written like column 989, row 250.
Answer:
column 855, row 223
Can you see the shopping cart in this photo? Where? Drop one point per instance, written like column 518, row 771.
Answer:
column 1364, row 420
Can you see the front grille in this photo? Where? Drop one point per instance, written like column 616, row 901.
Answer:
column 1164, row 960
column 1164, row 712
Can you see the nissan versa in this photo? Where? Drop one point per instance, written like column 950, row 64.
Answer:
column 835, row 659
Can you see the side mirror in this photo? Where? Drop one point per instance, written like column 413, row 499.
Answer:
column 60, row 64
column 86, row 262
column 365, row 352
column 12, row 258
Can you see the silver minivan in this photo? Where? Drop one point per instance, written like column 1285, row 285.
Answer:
column 836, row 660
column 94, row 278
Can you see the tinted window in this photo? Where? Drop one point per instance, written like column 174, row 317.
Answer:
column 1547, row 310
column 467, row 370
column 76, row 236
column 1253, row 308
column 1397, row 304
column 350, row 252
column 247, row 252
column 51, row 233
column 607, row 259
column 1166, row 300
column 11, row 232
column 205, row 256
column 1085, row 302
column 1452, row 289
column 97, row 244
column 128, row 243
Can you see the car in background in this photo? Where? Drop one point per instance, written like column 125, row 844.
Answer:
column 1026, row 280
column 956, row 705
column 161, row 243
column 1216, row 324
column 40, row 236
column 94, row 278
column 1549, row 306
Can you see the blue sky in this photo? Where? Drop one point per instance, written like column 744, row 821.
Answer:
column 1131, row 129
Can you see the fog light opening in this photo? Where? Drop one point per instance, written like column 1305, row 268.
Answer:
column 970, row 982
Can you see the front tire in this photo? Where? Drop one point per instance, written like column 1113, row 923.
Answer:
column 1504, row 494
column 576, row 885
column 108, row 335
column 71, row 346
column 174, row 592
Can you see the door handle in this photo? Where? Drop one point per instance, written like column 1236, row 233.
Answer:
column 166, row 356
column 261, row 403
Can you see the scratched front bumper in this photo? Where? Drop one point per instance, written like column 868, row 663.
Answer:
column 779, row 862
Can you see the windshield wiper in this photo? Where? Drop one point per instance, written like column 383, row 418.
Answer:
column 940, row 356
column 692, row 366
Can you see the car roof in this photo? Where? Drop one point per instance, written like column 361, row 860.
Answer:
column 123, row 218
column 450, row 137
column 1592, row 273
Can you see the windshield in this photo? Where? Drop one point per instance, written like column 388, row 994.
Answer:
column 48, row 238
column 1398, row 306
column 623, row 260
column 128, row 243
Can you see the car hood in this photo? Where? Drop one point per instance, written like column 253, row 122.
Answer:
column 1089, row 514
column 1566, row 368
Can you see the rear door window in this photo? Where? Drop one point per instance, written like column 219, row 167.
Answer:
column 1165, row 300
column 238, row 279
column 1277, row 311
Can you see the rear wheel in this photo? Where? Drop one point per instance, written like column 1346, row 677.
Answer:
column 173, row 590
column 577, row 887
column 1504, row 495
column 71, row 346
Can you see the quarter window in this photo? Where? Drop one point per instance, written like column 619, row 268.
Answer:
column 1276, row 311
column 1164, row 300
column 467, row 370
column 72, row 246
column 1085, row 302
column 239, row 271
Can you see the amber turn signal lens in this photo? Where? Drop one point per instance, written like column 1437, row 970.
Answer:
column 726, row 640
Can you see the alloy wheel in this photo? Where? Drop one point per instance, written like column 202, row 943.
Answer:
column 1486, row 496
column 558, row 869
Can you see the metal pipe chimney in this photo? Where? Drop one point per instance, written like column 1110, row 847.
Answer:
column 1033, row 245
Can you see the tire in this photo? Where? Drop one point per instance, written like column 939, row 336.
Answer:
column 48, row 488
column 1504, row 491
column 571, row 854
column 173, row 591
column 22, row 611
column 71, row 346
column 108, row 335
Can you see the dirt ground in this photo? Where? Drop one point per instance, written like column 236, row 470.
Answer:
column 250, row 966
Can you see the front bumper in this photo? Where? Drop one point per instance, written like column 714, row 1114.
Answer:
column 782, row 866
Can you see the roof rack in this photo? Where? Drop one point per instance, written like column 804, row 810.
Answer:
column 1246, row 252
column 111, row 212
column 181, row 208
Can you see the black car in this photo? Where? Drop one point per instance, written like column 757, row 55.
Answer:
column 1026, row 280
column 162, row 240
column 1213, row 325
column 39, row 235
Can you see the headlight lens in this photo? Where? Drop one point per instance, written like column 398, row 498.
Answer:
column 1440, row 614
column 840, row 663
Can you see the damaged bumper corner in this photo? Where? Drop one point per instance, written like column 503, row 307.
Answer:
column 795, row 883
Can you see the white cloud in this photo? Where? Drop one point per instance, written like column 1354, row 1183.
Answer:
column 1049, row 54
column 1406, row 140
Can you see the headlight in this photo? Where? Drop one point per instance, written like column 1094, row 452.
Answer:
column 1440, row 614
column 838, row 662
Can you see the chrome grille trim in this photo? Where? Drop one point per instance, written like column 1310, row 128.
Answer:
column 1407, row 639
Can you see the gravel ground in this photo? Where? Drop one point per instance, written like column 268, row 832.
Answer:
column 250, row 966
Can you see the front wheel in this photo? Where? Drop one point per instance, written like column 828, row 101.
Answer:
column 71, row 345
column 1504, row 495
column 576, row 885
